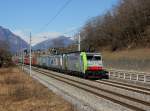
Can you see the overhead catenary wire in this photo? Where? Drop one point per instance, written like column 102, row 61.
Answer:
column 76, row 32
column 73, row 30
column 55, row 16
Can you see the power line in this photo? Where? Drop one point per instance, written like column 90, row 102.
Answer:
column 73, row 30
column 54, row 17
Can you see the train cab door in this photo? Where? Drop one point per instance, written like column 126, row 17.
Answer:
column 81, row 64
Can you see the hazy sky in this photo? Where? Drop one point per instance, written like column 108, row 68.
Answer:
column 23, row 16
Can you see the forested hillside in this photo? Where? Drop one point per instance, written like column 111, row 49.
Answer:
column 127, row 25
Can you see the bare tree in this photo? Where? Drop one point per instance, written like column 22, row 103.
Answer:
column 5, row 55
column 126, row 26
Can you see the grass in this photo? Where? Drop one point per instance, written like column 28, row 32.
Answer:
column 133, row 59
column 19, row 92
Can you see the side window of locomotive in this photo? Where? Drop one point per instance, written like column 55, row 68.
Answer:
column 52, row 61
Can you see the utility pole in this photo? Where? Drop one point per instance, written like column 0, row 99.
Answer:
column 30, row 54
column 22, row 54
column 23, row 59
column 79, row 43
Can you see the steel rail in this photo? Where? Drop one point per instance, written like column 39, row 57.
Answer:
column 129, row 85
column 106, row 97
column 126, row 87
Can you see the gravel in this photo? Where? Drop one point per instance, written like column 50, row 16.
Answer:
column 82, row 100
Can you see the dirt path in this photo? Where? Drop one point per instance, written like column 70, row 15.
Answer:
column 18, row 92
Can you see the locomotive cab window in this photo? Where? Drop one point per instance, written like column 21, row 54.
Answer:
column 93, row 57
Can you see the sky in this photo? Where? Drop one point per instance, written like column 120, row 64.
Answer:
column 25, row 16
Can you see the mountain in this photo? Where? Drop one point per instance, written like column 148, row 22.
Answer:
column 15, row 43
column 60, row 41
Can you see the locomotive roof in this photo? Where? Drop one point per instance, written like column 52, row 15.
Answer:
column 71, row 53
column 82, row 51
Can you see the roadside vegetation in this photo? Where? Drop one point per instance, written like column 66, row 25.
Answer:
column 18, row 92
column 5, row 55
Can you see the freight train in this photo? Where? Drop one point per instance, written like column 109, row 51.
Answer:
column 84, row 64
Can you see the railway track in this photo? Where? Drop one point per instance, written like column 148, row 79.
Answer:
column 130, row 87
column 123, row 100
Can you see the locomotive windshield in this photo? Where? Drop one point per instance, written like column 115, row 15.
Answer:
column 93, row 57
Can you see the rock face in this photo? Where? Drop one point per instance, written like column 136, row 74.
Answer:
column 60, row 41
column 15, row 43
